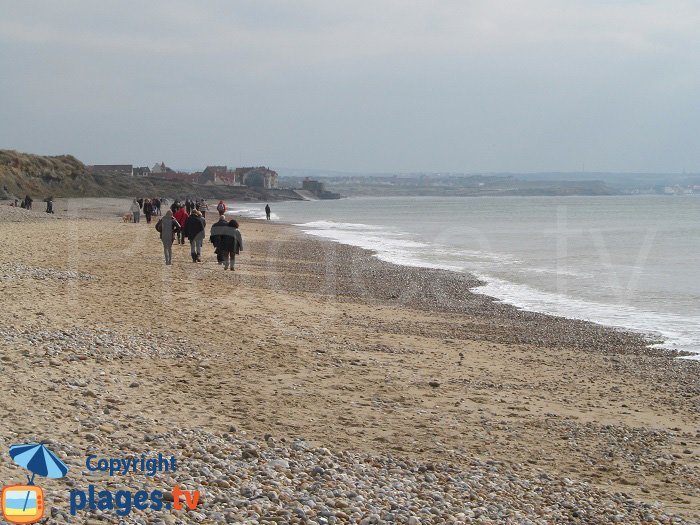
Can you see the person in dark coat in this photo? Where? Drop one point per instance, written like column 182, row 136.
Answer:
column 267, row 211
column 230, row 244
column 148, row 210
column 194, row 231
column 218, row 230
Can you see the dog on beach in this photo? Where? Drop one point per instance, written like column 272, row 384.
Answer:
column 128, row 217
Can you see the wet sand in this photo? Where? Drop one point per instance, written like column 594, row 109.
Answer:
column 315, row 340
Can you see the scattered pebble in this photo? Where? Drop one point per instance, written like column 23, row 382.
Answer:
column 13, row 270
column 245, row 480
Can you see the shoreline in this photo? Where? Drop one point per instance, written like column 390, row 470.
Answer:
column 656, row 340
column 315, row 339
column 651, row 341
column 91, row 208
column 453, row 281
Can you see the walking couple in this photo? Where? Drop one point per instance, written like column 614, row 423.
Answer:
column 227, row 240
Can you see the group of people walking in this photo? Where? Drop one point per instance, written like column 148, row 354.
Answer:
column 179, row 223
column 149, row 207
column 198, row 204
column 186, row 221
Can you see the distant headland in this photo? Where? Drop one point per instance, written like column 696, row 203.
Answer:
column 65, row 176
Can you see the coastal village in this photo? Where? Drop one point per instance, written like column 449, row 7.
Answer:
column 259, row 177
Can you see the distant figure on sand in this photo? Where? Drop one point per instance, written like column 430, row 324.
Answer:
column 267, row 211
column 135, row 209
column 168, row 226
column 221, row 208
column 49, row 205
column 28, row 202
column 181, row 216
column 194, row 231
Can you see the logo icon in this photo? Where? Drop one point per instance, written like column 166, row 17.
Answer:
column 25, row 503
column 22, row 503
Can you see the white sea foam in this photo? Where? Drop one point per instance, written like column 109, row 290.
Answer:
column 346, row 226
column 398, row 247
column 395, row 246
column 678, row 332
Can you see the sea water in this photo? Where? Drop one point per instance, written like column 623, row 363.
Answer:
column 626, row 261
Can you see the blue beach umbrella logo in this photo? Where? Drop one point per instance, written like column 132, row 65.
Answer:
column 25, row 503
column 38, row 459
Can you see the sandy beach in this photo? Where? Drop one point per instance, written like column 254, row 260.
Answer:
column 317, row 384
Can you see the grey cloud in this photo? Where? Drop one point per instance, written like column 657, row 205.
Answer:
column 394, row 85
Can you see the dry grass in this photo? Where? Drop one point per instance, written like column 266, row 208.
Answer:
column 22, row 173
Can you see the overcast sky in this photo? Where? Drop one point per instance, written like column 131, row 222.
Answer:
column 362, row 85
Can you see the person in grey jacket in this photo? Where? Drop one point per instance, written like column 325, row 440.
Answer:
column 136, row 210
column 168, row 227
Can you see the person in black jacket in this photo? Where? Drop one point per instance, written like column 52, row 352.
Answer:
column 218, row 230
column 194, row 231
column 148, row 210
column 230, row 244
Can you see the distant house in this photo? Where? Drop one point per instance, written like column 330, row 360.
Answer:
column 217, row 175
column 112, row 169
column 143, row 171
column 161, row 171
column 157, row 168
column 259, row 177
